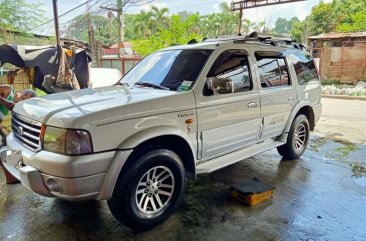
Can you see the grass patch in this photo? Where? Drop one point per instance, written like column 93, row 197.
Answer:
column 345, row 150
column 330, row 82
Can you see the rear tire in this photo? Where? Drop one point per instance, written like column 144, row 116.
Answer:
column 149, row 190
column 297, row 139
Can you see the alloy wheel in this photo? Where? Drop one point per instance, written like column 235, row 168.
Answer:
column 154, row 189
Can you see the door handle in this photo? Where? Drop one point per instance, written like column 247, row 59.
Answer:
column 252, row 104
column 291, row 98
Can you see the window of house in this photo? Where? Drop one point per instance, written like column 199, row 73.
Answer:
column 305, row 69
column 273, row 71
column 232, row 64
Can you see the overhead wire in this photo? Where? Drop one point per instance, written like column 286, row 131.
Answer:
column 61, row 15
column 86, row 15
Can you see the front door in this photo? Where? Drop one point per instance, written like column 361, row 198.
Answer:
column 228, row 121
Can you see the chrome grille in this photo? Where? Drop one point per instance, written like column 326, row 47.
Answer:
column 26, row 131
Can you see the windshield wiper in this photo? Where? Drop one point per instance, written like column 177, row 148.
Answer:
column 149, row 84
column 123, row 84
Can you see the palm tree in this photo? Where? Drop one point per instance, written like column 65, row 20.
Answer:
column 258, row 26
column 143, row 24
column 160, row 17
column 245, row 26
column 228, row 19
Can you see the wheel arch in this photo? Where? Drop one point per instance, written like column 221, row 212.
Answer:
column 301, row 108
column 165, row 136
column 173, row 142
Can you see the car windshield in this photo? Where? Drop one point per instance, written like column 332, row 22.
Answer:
column 175, row 70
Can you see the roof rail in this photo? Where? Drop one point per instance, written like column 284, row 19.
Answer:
column 254, row 37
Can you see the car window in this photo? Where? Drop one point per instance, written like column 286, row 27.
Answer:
column 232, row 64
column 285, row 80
column 273, row 71
column 169, row 69
column 305, row 69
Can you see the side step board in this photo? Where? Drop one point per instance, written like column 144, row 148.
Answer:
column 228, row 159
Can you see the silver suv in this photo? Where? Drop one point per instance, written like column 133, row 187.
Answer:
column 180, row 112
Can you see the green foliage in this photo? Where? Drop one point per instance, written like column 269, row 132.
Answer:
column 20, row 15
column 337, row 16
column 105, row 30
column 330, row 82
column 178, row 32
column 321, row 19
column 357, row 23
column 283, row 25
column 297, row 31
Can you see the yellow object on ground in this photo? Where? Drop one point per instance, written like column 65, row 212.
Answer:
column 252, row 192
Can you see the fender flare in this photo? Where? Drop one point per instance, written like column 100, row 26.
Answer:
column 152, row 132
column 125, row 149
column 294, row 112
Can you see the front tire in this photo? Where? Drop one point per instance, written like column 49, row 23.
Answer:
column 297, row 139
column 149, row 190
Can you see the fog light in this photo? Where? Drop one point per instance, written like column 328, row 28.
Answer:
column 53, row 185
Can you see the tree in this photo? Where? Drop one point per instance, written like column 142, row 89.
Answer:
column 351, row 15
column 258, row 26
column 79, row 26
column 143, row 24
column 20, row 15
column 321, row 19
column 297, row 31
column 178, row 32
column 358, row 23
column 160, row 17
column 283, row 25
column 245, row 27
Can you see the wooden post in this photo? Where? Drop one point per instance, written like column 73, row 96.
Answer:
column 55, row 17
column 240, row 21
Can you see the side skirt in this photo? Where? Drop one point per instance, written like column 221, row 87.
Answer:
column 231, row 158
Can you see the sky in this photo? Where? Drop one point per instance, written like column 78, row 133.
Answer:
column 269, row 14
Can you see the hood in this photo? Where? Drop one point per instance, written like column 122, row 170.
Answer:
column 72, row 104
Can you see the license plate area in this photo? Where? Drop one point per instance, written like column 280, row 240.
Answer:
column 12, row 158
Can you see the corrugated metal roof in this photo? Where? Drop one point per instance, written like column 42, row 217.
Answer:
column 338, row 35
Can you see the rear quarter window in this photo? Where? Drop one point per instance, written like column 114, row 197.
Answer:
column 305, row 69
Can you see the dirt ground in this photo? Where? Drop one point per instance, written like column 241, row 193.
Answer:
column 321, row 196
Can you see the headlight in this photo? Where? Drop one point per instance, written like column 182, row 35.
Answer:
column 67, row 141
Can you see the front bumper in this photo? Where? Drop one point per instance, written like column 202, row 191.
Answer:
column 49, row 174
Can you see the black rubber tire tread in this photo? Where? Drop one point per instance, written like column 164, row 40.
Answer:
column 122, row 204
column 287, row 150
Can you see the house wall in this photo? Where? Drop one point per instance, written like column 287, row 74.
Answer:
column 346, row 64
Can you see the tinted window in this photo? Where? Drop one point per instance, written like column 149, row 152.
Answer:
column 285, row 80
column 169, row 68
column 273, row 71
column 305, row 69
column 233, row 64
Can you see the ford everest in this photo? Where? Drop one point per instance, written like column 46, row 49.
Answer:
column 180, row 112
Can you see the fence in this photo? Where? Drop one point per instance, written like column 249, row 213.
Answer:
column 346, row 64
column 123, row 64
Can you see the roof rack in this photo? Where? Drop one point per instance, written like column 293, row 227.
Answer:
column 253, row 37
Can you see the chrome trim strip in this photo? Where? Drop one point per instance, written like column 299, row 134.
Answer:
column 26, row 126
column 26, row 141
column 25, row 119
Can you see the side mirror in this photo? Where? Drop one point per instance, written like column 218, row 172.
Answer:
column 220, row 85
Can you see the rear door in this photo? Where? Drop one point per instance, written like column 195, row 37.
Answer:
column 278, row 94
